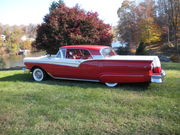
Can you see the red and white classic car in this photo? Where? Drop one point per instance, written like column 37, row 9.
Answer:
column 95, row 63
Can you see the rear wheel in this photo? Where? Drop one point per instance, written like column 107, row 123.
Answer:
column 111, row 84
column 38, row 74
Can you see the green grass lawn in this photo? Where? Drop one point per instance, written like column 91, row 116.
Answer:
column 72, row 107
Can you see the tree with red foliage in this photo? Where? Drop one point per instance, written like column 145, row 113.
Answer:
column 69, row 26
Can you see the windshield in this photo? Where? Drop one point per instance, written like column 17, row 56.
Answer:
column 107, row 52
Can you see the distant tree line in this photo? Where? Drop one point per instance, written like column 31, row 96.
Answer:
column 140, row 25
column 14, row 38
column 149, row 22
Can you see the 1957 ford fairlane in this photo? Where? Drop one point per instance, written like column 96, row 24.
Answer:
column 95, row 63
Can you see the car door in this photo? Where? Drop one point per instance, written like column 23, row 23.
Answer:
column 66, row 66
column 89, row 68
column 75, row 64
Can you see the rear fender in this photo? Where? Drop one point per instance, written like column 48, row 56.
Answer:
column 124, row 78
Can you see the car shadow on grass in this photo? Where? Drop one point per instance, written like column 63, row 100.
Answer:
column 27, row 77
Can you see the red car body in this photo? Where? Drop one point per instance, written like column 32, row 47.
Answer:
column 96, row 63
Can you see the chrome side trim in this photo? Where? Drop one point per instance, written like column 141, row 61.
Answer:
column 158, row 78
column 75, row 79
column 56, row 63
column 126, row 75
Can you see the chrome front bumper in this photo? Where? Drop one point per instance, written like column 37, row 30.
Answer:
column 25, row 70
column 158, row 78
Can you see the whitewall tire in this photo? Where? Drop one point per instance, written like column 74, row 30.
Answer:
column 111, row 84
column 38, row 74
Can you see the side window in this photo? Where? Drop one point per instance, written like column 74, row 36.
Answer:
column 77, row 54
column 70, row 53
column 86, row 54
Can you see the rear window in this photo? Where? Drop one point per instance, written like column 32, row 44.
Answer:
column 107, row 52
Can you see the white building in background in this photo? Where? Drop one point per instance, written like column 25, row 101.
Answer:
column 3, row 37
column 24, row 38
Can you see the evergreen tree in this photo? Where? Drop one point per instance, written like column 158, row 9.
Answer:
column 141, row 50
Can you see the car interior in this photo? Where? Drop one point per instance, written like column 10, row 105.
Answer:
column 78, row 54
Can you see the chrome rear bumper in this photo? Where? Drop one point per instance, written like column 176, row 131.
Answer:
column 158, row 78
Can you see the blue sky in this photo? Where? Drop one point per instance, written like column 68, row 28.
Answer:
column 17, row 12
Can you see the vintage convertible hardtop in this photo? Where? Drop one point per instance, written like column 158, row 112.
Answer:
column 96, row 63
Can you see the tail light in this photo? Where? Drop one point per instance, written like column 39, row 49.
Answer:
column 157, row 70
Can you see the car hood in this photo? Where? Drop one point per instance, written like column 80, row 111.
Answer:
column 154, row 59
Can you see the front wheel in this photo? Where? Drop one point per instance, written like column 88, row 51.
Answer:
column 38, row 74
column 111, row 84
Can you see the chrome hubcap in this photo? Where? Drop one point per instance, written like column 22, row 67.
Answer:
column 38, row 74
column 111, row 84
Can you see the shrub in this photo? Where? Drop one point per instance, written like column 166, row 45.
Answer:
column 122, row 51
column 175, row 58
column 141, row 50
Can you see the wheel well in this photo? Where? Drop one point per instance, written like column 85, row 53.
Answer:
column 34, row 67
